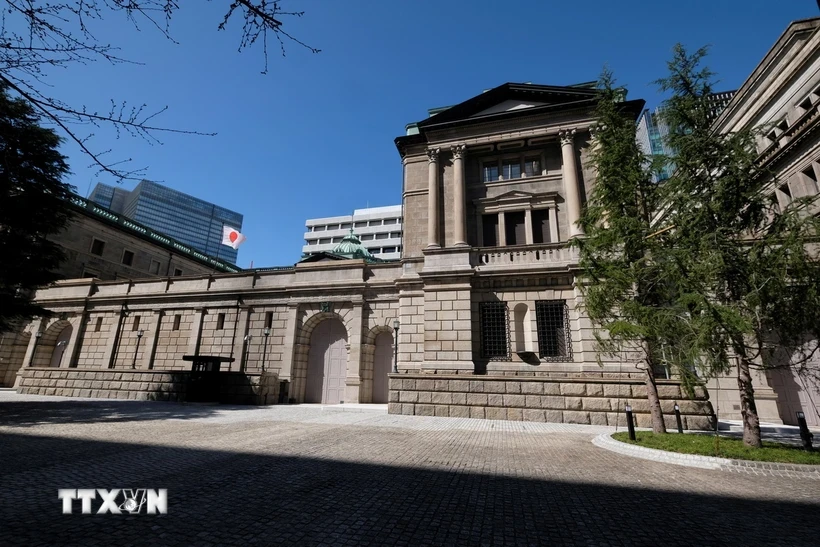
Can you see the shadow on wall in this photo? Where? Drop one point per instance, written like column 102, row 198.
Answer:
column 230, row 497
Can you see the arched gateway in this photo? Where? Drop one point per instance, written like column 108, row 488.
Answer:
column 327, row 363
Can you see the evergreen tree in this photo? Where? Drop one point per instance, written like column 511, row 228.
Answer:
column 748, row 276
column 32, row 206
column 624, row 290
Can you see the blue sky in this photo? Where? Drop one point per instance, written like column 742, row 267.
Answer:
column 314, row 136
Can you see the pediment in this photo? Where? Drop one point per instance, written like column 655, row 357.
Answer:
column 509, row 106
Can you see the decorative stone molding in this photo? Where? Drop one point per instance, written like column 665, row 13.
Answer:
column 432, row 154
column 459, row 151
column 567, row 136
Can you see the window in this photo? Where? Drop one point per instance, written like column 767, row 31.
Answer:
column 388, row 249
column 381, row 236
column 127, row 258
column 336, row 240
column 319, row 229
column 177, row 272
column 136, row 325
column 395, row 234
column 98, row 325
column 367, row 237
column 532, row 166
column 552, row 325
column 177, row 320
column 313, row 242
column 375, row 223
column 489, row 172
column 515, row 228
column 268, row 319
column 220, row 321
column 511, row 169
column 540, row 226
column 375, row 251
column 154, row 269
column 97, row 247
column 489, row 225
column 360, row 225
column 812, row 186
column 391, row 221
column 346, row 226
column 495, row 330
column 324, row 241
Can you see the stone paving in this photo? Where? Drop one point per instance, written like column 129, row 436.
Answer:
column 314, row 476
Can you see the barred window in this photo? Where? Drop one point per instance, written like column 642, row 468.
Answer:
column 495, row 330
column 552, row 324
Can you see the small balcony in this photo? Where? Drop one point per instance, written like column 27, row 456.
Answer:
column 553, row 256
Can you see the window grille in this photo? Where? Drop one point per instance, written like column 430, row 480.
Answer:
column 552, row 324
column 495, row 330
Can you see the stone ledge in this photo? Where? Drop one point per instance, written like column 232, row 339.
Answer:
column 606, row 442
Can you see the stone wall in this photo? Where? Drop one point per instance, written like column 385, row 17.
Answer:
column 566, row 400
column 144, row 385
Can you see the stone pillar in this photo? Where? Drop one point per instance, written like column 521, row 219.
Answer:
column 353, row 381
column 459, row 196
column 147, row 361
column 289, row 354
column 570, row 176
column 528, row 226
column 502, row 230
column 239, row 342
column 196, row 332
column 70, row 353
column 553, row 220
column 113, row 340
column 432, row 200
column 39, row 326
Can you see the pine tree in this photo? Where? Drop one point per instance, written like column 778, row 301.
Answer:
column 32, row 206
column 624, row 289
column 748, row 276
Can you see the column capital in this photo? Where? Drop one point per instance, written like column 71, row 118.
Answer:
column 567, row 136
column 432, row 154
column 595, row 130
column 459, row 151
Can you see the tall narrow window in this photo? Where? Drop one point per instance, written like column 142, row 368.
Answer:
column 540, row 226
column 511, row 169
column 552, row 325
column 97, row 247
column 489, row 226
column 128, row 258
column 515, row 227
column 220, row 321
column 495, row 330
column 532, row 166
column 177, row 272
column 269, row 319
column 812, row 187
column 136, row 325
column 177, row 320
column 98, row 325
column 489, row 171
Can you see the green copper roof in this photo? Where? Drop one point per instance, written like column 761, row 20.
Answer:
column 351, row 247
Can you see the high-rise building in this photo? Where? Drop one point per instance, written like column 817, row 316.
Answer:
column 653, row 130
column 378, row 228
column 191, row 220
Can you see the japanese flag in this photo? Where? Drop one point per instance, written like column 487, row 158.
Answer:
column 231, row 237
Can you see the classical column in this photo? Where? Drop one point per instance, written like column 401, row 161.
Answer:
column 353, row 377
column 113, row 341
column 528, row 226
column 39, row 326
column 570, row 176
column 502, row 230
column 289, row 354
column 152, row 332
column 459, row 206
column 432, row 199
column 553, row 220
column 240, row 341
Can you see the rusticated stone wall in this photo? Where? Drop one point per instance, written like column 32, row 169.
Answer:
column 144, row 385
column 537, row 399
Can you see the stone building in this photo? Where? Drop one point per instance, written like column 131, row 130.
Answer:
column 484, row 296
column 782, row 95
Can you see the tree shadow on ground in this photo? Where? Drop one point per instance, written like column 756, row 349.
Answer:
column 226, row 498
column 35, row 412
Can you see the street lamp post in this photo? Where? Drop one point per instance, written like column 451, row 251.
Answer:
column 248, row 339
column 137, row 348
column 396, row 326
column 266, row 332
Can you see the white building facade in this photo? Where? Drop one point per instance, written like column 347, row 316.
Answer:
column 378, row 228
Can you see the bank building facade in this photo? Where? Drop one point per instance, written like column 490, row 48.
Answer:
column 484, row 301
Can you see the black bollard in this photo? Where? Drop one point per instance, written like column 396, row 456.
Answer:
column 629, row 424
column 805, row 434
column 677, row 417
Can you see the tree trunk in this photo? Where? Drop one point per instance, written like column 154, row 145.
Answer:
column 748, row 409
column 658, row 425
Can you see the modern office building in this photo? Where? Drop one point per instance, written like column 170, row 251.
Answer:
column 378, row 228
column 191, row 220
column 652, row 131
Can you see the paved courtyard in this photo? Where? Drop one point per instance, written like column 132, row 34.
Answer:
column 313, row 476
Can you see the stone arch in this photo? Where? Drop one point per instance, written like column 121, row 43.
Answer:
column 46, row 350
column 302, row 349
column 368, row 358
column 12, row 354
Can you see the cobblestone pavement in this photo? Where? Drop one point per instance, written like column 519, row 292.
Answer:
column 308, row 476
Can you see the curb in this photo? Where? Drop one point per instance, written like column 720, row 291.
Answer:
column 800, row 471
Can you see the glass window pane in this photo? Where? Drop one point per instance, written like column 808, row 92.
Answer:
column 511, row 169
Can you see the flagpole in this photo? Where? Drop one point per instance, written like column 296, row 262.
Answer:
column 218, row 246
